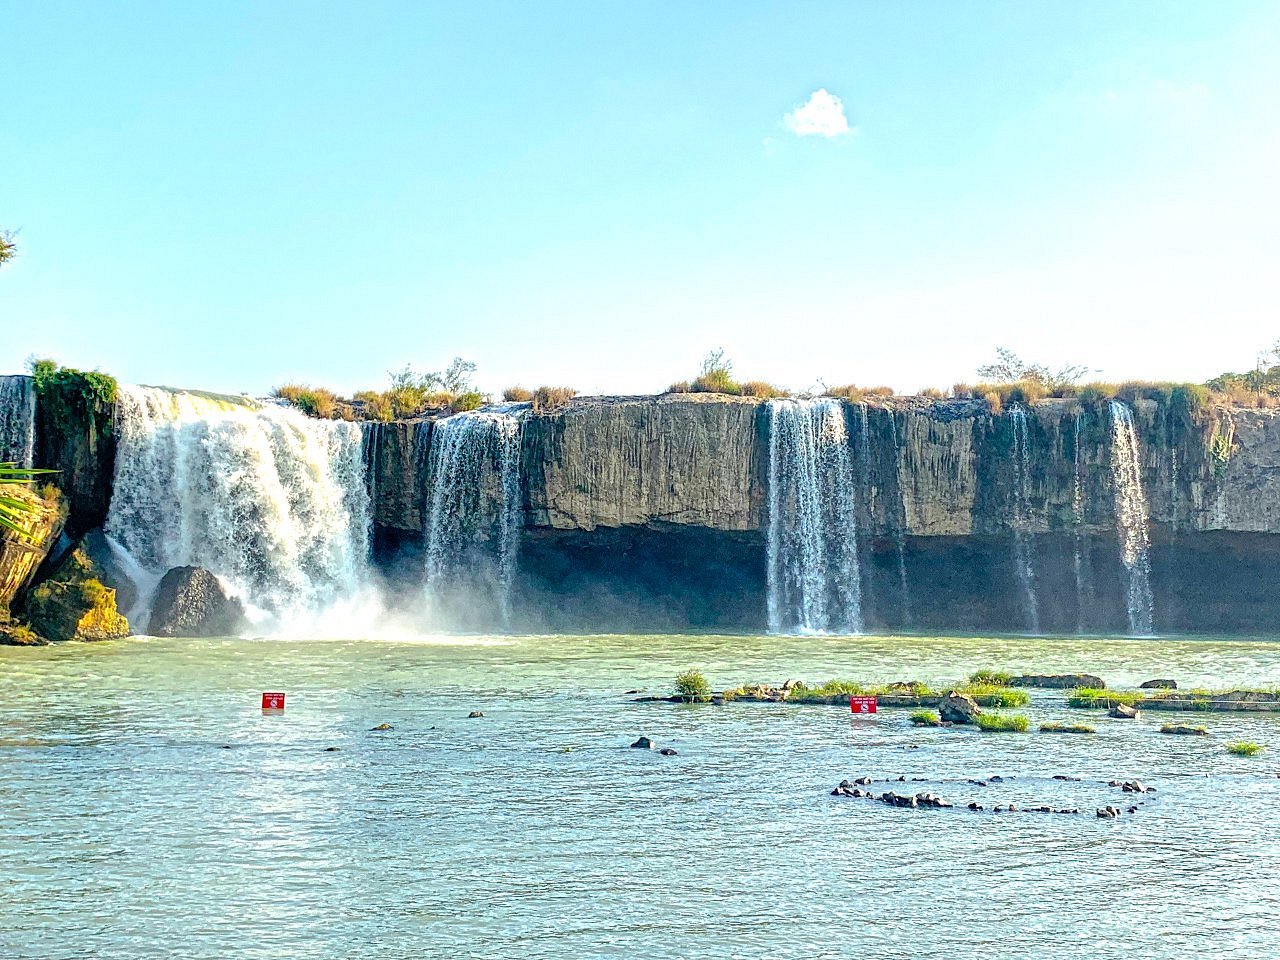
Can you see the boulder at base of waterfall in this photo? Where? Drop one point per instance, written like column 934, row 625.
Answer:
column 190, row 602
column 958, row 708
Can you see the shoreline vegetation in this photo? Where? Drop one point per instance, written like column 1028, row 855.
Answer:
column 985, row 689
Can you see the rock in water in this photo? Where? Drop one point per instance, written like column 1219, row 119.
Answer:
column 475, row 715
column 1059, row 681
column 190, row 602
column 644, row 743
column 958, row 708
column 74, row 604
column 1122, row 711
column 1159, row 685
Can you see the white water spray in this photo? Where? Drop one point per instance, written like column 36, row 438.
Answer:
column 271, row 501
column 814, row 580
column 17, row 421
column 1133, row 520
column 475, row 508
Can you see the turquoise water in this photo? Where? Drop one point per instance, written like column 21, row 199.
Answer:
column 151, row 809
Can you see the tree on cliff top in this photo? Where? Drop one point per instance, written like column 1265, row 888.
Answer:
column 8, row 246
column 1010, row 368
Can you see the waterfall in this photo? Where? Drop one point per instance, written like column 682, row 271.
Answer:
column 1132, row 519
column 899, row 537
column 17, row 420
column 271, row 501
column 1077, row 519
column 475, row 507
column 814, row 581
column 1023, row 548
column 863, row 450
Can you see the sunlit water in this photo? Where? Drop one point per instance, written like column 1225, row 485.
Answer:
column 128, row 830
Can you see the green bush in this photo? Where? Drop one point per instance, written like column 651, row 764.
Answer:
column 1066, row 728
column 692, row 687
column 470, row 400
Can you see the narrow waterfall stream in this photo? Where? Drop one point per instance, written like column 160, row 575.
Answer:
column 814, row 579
column 1080, row 542
column 474, row 511
column 270, row 500
column 1133, row 521
column 1023, row 547
column 17, row 420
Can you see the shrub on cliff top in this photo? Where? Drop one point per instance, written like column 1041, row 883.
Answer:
column 761, row 389
column 470, row 400
column 8, row 246
column 375, row 406
column 517, row 395
column 550, row 399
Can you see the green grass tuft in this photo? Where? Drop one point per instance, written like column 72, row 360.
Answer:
column 926, row 718
column 992, row 678
column 1244, row 748
column 1001, row 722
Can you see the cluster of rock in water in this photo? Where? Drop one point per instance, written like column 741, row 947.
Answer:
column 858, row 789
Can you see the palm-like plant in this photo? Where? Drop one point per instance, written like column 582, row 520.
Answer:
column 15, row 512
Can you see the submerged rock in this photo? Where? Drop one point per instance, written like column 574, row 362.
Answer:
column 668, row 752
column 381, row 726
column 475, row 714
column 1158, row 685
column 1185, row 730
column 1058, row 681
column 644, row 743
column 191, row 602
column 958, row 708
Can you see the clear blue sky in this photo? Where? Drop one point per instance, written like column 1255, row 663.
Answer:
column 231, row 195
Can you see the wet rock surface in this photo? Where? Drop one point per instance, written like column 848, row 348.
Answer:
column 191, row 602
column 1158, row 685
column 958, row 708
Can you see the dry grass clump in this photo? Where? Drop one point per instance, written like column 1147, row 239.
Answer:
column 933, row 393
column 313, row 401
column 517, row 395
column 550, row 399
column 761, row 389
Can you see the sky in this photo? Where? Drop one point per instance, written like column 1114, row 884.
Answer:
column 235, row 195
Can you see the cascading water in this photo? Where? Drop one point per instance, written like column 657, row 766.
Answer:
column 814, row 580
column 271, row 501
column 17, row 420
column 1023, row 549
column 475, row 508
column 1083, row 590
column 1132, row 519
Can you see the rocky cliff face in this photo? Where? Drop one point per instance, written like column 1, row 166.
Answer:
column 21, row 556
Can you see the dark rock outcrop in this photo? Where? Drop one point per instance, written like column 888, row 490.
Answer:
column 190, row 602
column 75, row 435
column 1122, row 711
column 1059, row 681
column 958, row 708
column 1158, row 685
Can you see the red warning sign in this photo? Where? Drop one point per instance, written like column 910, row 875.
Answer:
column 273, row 701
column 862, row 704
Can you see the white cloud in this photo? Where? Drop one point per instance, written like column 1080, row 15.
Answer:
column 822, row 115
